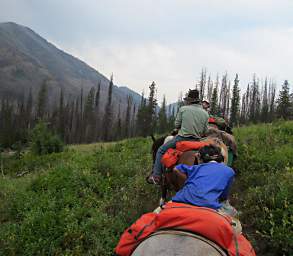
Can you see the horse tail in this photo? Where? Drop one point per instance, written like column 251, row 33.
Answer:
column 153, row 137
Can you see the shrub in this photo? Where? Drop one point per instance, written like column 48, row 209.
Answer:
column 263, row 186
column 43, row 141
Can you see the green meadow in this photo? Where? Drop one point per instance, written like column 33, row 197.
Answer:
column 79, row 201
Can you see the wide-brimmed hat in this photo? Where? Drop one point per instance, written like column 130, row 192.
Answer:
column 192, row 96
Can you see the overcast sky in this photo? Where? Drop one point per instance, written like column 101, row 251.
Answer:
column 166, row 41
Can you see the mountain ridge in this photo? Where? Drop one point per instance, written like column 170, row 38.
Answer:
column 27, row 59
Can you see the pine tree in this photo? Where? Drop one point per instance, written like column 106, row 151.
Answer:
column 151, row 110
column 272, row 95
column 81, row 118
column 243, row 110
column 234, row 114
column 108, row 117
column 247, row 103
column 171, row 119
column 118, row 133
column 141, row 117
column 42, row 101
column 29, row 109
column 162, row 118
column 61, row 117
column 127, row 123
column 254, row 95
column 202, row 83
column 89, row 116
column 223, row 96
column 210, row 89
column 283, row 102
column 180, row 101
column 214, row 100
column 97, row 111
column 228, row 96
column 265, row 105
column 133, row 119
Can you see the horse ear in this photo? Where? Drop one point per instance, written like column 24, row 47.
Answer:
column 153, row 137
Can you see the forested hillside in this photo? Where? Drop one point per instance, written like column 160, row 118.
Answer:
column 39, row 82
column 80, row 201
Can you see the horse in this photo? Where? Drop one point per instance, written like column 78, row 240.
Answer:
column 175, row 242
column 171, row 180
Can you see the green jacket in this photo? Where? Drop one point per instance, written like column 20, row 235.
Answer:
column 192, row 120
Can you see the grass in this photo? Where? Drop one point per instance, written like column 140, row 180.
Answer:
column 78, row 202
column 264, row 186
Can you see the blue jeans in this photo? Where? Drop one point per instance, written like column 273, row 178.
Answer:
column 158, row 167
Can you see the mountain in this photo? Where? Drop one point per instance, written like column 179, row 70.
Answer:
column 27, row 60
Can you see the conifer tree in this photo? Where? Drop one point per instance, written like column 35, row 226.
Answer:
column 151, row 110
column 108, row 116
column 210, row 89
column 180, row 101
column 97, row 111
column 118, row 133
column 202, row 83
column 141, row 116
column 254, row 101
column 81, row 125
column 272, row 95
column 283, row 102
column 223, row 96
column 29, row 109
column 89, row 116
column 42, row 101
column 61, row 115
column 171, row 119
column 228, row 96
column 162, row 118
column 247, row 103
column 234, row 114
column 265, row 105
column 133, row 119
column 127, row 123
column 243, row 110
column 214, row 100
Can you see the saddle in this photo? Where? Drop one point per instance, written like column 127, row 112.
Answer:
column 171, row 157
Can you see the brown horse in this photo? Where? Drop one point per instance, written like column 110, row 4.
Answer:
column 173, row 242
column 172, row 180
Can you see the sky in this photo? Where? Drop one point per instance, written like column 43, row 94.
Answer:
column 167, row 41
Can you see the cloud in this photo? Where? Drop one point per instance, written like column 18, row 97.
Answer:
column 176, row 66
column 166, row 41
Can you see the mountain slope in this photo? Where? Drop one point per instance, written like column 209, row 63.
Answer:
column 26, row 60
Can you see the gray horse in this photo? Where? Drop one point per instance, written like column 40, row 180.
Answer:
column 175, row 243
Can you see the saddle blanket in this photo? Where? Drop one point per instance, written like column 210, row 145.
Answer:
column 199, row 220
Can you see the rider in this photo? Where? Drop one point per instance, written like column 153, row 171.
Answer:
column 192, row 123
column 206, row 105
column 208, row 183
column 216, row 121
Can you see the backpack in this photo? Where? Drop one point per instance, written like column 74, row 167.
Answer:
column 171, row 157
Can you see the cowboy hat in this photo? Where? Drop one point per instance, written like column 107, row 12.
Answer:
column 192, row 96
